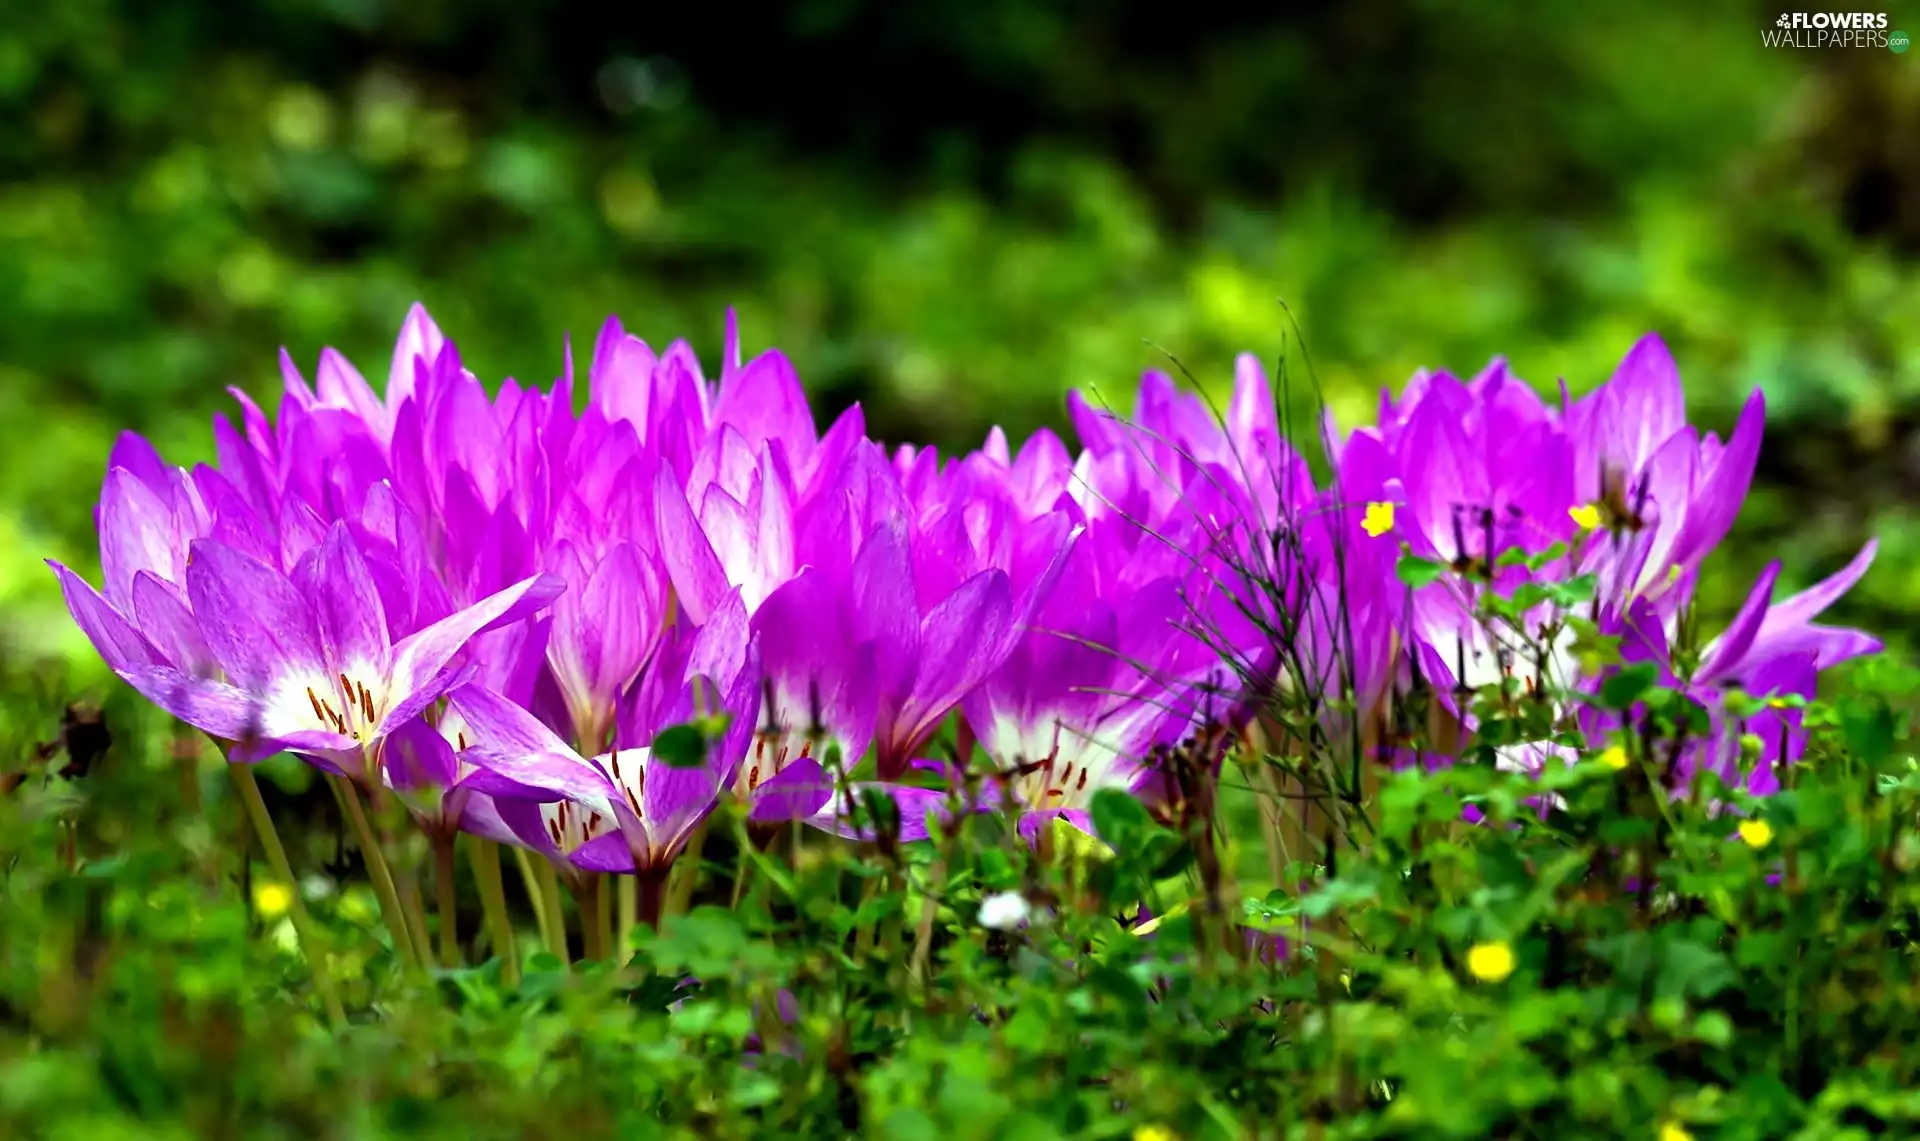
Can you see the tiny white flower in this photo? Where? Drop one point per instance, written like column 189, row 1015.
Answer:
column 1005, row 910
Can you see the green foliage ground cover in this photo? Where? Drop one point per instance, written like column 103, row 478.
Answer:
column 1622, row 965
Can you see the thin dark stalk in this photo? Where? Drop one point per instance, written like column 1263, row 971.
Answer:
column 310, row 947
column 447, row 902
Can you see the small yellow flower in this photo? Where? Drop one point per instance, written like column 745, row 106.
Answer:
column 1757, row 833
column 1153, row 1133
column 1614, row 757
column 271, row 899
column 1490, row 962
column 1378, row 519
column 1674, row 1131
column 1586, row 516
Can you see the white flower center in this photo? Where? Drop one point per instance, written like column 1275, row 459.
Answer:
column 773, row 749
column 1050, row 765
column 351, row 704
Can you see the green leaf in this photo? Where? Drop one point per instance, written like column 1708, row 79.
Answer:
column 1691, row 970
column 1574, row 591
column 1628, row 686
column 1417, row 572
column 1030, row 1029
column 1118, row 817
column 1870, row 730
column 680, row 747
column 1528, row 595
column 1546, row 556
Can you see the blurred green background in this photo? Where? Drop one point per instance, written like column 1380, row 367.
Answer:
column 953, row 210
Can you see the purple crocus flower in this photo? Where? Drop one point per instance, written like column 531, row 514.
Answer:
column 1461, row 473
column 926, row 657
column 820, row 700
column 604, row 631
column 310, row 664
column 439, row 787
column 740, row 537
column 623, row 810
column 342, row 389
column 426, row 762
column 1084, row 696
column 345, row 566
column 1770, row 651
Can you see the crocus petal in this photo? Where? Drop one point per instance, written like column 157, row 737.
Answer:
column 161, row 610
column 847, row 817
column 421, row 657
column 607, row 854
column 1642, row 406
column 504, row 725
column 416, row 756
column 254, row 620
column 673, row 800
column 480, row 816
column 1804, row 607
column 699, row 580
column 212, row 707
column 957, row 641
column 796, row 792
column 765, row 402
column 603, row 630
column 339, row 384
column 120, row 645
column 1826, row 646
column 1717, row 503
column 720, row 651
column 523, row 819
column 512, row 742
column 484, row 782
column 1729, row 650
column 420, row 341
column 137, row 533
column 352, row 622
column 135, row 454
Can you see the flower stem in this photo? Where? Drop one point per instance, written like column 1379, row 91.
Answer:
column 743, row 842
column 589, row 896
column 923, row 927
column 186, row 760
column 408, row 884
column 256, row 807
column 627, row 916
column 864, row 936
column 531, row 881
column 603, row 894
column 556, row 914
column 485, row 857
column 652, row 891
column 1272, row 808
column 447, row 901
column 686, row 873
column 377, row 869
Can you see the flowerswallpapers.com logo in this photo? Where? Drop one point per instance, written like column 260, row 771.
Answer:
column 1831, row 30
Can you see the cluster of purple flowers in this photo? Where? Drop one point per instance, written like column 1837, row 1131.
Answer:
column 496, row 606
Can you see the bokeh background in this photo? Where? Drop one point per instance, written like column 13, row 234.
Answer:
column 953, row 210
